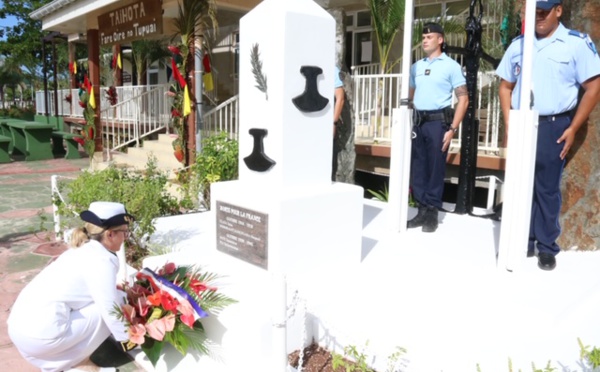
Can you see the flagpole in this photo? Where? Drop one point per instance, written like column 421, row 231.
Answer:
column 401, row 136
column 520, row 161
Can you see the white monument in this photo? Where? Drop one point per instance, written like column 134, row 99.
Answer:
column 284, row 214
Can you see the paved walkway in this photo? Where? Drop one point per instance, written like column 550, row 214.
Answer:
column 27, row 243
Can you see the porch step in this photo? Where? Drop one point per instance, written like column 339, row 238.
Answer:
column 161, row 149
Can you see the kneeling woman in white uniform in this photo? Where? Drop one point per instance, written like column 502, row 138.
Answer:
column 66, row 311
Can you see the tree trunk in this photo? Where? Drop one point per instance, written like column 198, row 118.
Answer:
column 345, row 132
column 580, row 186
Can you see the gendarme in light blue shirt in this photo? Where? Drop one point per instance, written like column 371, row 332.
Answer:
column 561, row 63
column 434, row 80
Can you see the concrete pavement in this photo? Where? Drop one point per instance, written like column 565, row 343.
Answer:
column 27, row 245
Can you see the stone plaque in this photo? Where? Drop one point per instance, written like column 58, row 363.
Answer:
column 242, row 233
column 138, row 20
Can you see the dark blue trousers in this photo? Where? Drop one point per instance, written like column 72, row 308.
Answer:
column 428, row 163
column 545, row 210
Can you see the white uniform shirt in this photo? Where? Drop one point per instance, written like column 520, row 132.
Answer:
column 79, row 277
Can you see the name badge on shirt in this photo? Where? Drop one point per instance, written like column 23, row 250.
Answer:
column 427, row 72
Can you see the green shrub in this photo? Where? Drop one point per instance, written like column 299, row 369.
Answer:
column 144, row 196
column 218, row 161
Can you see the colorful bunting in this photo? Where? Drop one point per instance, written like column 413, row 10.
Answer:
column 177, row 74
column 187, row 104
column 207, row 78
column 92, row 100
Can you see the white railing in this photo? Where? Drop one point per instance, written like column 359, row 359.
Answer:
column 376, row 95
column 374, row 98
column 223, row 118
column 145, row 110
column 64, row 107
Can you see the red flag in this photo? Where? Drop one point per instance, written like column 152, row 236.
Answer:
column 86, row 83
column 177, row 74
column 113, row 64
column 71, row 67
column 206, row 63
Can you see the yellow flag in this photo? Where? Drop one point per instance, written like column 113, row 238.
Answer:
column 187, row 105
column 92, row 98
column 119, row 61
column 75, row 68
column 208, row 81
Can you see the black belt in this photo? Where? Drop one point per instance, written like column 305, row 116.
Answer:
column 554, row 117
column 431, row 115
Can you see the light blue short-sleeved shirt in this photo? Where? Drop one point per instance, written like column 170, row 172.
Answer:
column 434, row 80
column 561, row 63
column 338, row 83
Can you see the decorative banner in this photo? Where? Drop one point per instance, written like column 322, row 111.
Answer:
column 187, row 104
column 91, row 94
column 119, row 64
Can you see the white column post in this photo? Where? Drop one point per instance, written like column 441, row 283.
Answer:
column 520, row 162
column 279, row 319
column 54, row 192
column 122, row 273
column 401, row 136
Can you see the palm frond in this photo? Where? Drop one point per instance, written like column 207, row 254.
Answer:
column 387, row 16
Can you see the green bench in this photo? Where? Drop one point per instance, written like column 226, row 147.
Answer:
column 5, row 143
column 72, row 147
column 31, row 139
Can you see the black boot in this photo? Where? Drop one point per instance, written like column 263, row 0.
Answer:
column 431, row 220
column 419, row 219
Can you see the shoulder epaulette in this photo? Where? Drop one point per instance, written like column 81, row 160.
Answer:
column 586, row 38
column 577, row 33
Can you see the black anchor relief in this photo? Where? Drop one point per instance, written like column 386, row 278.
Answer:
column 257, row 160
column 310, row 100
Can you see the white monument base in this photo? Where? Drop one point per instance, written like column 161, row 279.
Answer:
column 308, row 228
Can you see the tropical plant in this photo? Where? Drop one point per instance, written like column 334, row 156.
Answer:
column 218, row 161
column 387, row 16
column 11, row 76
column 145, row 52
column 193, row 17
column 133, row 190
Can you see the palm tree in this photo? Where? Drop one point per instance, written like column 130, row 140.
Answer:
column 11, row 75
column 194, row 16
column 387, row 16
column 144, row 53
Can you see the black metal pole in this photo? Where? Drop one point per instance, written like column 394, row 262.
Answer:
column 54, row 74
column 44, row 70
column 470, row 132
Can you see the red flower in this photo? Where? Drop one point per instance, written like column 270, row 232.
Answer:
column 173, row 49
column 163, row 299
column 175, row 113
column 79, row 140
column 168, row 269
column 197, row 286
column 82, row 104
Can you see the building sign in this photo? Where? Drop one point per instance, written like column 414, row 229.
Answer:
column 138, row 20
column 242, row 233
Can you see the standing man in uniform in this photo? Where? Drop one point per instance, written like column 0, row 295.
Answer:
column 432, row 81
column 564, row 61
column 339, row 99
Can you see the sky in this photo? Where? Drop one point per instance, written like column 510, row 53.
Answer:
column 6, row 22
